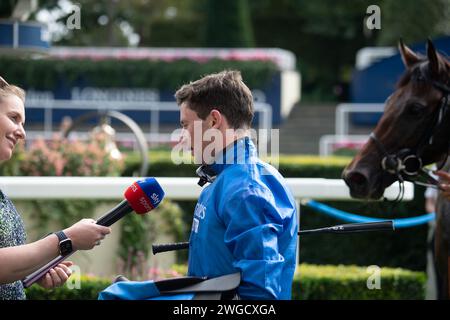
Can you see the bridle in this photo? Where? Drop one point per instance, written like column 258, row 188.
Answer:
column 407, row 164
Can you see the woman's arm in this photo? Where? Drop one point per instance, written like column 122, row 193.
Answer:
column 18, row 262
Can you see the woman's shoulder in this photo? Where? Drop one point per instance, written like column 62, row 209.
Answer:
column 7, row 206
column 12, row 230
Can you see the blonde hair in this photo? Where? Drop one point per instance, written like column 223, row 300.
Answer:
column 7, row 89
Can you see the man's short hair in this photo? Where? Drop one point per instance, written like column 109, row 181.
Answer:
column 225, row 92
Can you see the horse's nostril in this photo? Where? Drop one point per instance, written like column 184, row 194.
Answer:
column 358, row 183
column 357, row 179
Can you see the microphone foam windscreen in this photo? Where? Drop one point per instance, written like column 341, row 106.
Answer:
column 144, row 195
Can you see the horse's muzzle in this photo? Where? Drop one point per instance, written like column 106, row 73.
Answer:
column 362, row 185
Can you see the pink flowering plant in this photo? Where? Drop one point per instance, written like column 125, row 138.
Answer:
column 61, row 157
column 140, row 269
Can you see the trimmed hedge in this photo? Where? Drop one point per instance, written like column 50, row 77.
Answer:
column 160, row 164
column 341, row 282
column 404, row 248
column 89, row 289
column 57, row 73
column 311, row 282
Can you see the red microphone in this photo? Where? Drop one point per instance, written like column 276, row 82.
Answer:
column 141, row 197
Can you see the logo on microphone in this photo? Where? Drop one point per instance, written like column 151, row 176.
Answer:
column 145, row 203
column 155, row 198
column 134, row 187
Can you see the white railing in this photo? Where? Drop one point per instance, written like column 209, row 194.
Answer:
column 342, row 126
column 152, row 107
column 329, row 142
column 175, row 188
column 343, row 111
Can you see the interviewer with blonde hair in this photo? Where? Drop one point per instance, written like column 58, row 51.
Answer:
column 18, row 259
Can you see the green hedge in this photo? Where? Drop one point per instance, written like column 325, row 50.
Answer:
column 405, row 248
column 57, row 73
column 89, row 289
column 160, row 164
column 311, row 282
column 329, row 282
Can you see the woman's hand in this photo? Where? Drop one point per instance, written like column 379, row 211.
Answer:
column 56, row 276
column 86, row 234
column 445, row 183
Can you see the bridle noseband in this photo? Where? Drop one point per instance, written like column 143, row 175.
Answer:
column 407, row 163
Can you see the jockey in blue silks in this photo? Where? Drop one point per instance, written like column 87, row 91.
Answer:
column 245, row 221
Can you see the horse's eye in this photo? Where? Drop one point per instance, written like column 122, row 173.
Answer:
column 415, row 109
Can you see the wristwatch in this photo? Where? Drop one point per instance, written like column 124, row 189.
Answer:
column 65, row 244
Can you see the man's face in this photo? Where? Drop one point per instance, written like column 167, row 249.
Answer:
column 193, row 129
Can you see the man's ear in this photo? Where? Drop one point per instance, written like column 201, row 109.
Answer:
column 216, row 118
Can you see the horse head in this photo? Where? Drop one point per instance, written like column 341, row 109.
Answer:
column 413, row 132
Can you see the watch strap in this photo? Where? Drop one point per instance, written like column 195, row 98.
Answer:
column 61, row 235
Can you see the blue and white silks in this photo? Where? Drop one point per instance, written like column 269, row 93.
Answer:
column 246, row 221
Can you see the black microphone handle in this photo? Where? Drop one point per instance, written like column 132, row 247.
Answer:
column 116, row 213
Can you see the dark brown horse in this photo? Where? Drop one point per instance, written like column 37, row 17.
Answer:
column 413, row 132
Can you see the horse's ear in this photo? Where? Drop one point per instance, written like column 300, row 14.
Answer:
column 432, row 58
column 409, row 58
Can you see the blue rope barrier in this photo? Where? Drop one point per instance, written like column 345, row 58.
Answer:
column 351, row 217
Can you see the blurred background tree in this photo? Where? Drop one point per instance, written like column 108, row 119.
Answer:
column 324, row 35
column 228, row 24
column 413, row 20
column 6, row 8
